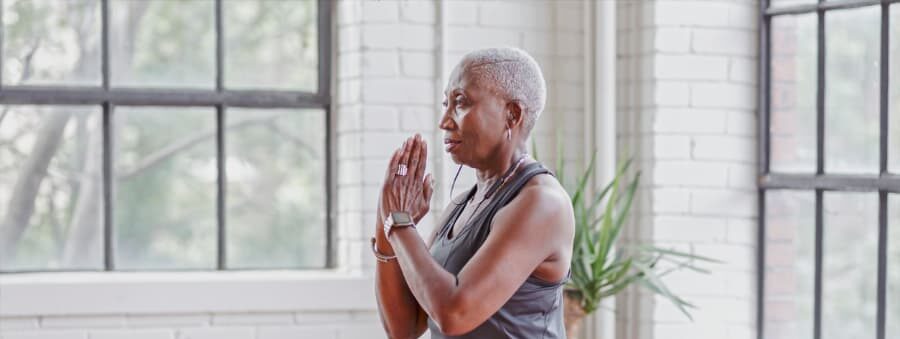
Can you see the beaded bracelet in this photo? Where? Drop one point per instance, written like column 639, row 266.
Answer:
column 379, row 256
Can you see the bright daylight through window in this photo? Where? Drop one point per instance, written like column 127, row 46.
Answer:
column 157, row 135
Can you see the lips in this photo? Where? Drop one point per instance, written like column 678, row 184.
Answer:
column 451, row 144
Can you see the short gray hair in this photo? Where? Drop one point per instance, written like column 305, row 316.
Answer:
column 511, row 73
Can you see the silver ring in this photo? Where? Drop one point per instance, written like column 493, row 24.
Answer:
column 401, row 170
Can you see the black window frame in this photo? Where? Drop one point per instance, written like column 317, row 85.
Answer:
column 819, row 182
column 219, row 98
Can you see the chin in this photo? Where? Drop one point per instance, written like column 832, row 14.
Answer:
column 456, row 159
column 459, row 160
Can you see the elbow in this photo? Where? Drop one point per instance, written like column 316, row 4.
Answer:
column 403, row 334
column 454, row 326
column 450, row 325
column 451, row 319
column 398, row 332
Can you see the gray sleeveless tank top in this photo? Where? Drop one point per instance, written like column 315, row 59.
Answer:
column 535, row 310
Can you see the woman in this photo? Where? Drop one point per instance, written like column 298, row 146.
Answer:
column 495, row 265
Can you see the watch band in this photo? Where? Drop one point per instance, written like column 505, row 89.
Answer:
column 390, row 222
column 388, row 228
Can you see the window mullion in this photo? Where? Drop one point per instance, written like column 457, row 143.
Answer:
column 221, row 248
column 104, row 42
column 220, row 48
column 881, row 298
column 884, row 83
column 108, row 239
column 323, row 13
column 820, row 94
column 108, row 245
column 323, row 9
column 820, row 167
column 763, row 158
column 817, row 290
column 2, row 29
column 882, row 265
column 220, row 143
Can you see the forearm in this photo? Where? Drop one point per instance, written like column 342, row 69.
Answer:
column 398, row 308
column 432, row 286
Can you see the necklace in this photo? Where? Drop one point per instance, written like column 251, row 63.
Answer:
column 497, row 185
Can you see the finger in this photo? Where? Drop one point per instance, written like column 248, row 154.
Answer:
column 414, row 161
column 392, row 164
column 429, row 187
column 423, row 157
column 404, row 158
column 402, row 181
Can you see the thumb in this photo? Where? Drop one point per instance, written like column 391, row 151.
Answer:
column 429, row 187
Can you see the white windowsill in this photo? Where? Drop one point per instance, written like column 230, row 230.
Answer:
column 83, row 293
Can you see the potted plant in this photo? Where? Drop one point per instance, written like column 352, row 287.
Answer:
column 602, row 267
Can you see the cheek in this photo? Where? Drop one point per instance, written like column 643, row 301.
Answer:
column 481, row 135
column 473, row 128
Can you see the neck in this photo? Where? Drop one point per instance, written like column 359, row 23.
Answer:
column 489, row 175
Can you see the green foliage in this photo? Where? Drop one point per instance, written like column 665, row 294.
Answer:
column 602, row 267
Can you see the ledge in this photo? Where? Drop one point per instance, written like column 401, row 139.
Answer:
column 84, row 293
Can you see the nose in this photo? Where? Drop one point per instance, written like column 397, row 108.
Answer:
column 447, row 122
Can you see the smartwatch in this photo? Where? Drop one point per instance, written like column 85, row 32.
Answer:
column 397, row 219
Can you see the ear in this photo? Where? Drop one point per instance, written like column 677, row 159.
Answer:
column 514, row 113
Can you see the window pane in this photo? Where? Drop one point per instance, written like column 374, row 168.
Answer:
column 165, row 199
column 894, row 89
column 271, row 44
column 893, row 266
column 51, row 206
column 51, row 42
column 162, row 43
column 276, row 193
column 790, row 264
column 793, row 94
column 849, row 267
column 852, row 90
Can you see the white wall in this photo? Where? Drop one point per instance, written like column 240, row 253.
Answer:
column 392, row 77
column 391, row 61
column 687, row 102
column 686, row 99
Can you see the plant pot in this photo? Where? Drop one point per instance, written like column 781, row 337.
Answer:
column 573, row 313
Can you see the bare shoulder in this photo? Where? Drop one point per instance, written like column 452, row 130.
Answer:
column 544, row 201
column 540, row 218
column 546, row 190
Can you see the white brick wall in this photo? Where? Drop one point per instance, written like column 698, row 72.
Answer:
column 686, row 99
column 687, row 95
column 272, row 325
column 386, row 88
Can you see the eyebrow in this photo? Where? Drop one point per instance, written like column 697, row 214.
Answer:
column 463, row 90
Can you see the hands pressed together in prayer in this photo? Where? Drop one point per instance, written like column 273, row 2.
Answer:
column 406, row 187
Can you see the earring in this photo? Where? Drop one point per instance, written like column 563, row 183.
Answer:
column 508, row 134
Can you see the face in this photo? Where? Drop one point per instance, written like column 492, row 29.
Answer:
column 474, row 121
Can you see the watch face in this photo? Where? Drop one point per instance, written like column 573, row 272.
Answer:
column 401, row 218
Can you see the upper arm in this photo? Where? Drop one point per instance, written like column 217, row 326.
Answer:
column 524, row 233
